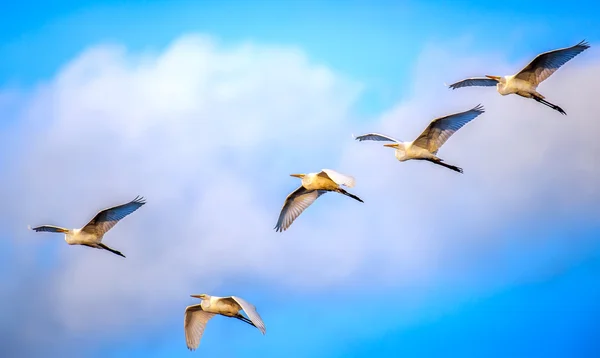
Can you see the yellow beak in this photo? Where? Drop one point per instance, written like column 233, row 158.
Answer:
column 297, row 175
column 391, row 145
column 497, row 78
column 196, row 296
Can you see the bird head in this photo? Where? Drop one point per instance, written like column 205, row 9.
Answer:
column 497, row 78
column 298, row 175
column 201, row 296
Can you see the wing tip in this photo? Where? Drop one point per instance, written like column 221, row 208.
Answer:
column 139, row 200
column 583, row 43
column 279, row 228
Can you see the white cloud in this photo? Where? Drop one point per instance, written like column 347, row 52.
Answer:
column 208, row 134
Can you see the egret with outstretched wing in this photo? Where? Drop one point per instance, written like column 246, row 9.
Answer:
column 426, row 146
column 313, row 185
column 197, row 316
column 91, row 234
column 525, row 82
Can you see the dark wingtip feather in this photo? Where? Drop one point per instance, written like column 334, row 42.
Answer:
column 584, row 44
column 479, row 108
column 139, row 199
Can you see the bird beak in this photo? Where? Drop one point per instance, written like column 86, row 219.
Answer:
column 391, row 145
column 497, row 78
column 196, row 296
column 297, row 175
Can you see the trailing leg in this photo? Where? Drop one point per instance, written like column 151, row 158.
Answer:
column 440, row 162
column 342, row 191
column 101, row 245
column 551, row 105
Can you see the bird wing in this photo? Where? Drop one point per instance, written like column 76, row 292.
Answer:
column 547, row 63
column 251, row 312
column 294, row 205
column 194, row 323
column 107, row 218
column 440, row 129
column 376, row 137
column 339, row 178
column 48, row 228
column 474, row 81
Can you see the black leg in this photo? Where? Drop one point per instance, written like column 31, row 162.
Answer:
column 111, row 250
column 553, row 106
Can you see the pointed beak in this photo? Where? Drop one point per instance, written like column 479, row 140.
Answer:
column 391, row 145
column 196, row 296
column 497, row 78
column 297, row 175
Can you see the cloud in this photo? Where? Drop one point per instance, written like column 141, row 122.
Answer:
column 209, row 133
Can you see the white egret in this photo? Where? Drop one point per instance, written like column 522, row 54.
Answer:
column 526, row 81
column 196, row 316
column 426, row 146
column 313, row 185
column 91, row 234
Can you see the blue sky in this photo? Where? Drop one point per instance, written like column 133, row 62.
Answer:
column 505, row 266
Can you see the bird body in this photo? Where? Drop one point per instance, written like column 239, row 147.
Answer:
column 407, row 151
column 92, row 233
column 314, row 181
column 197, row 316
column 426, row 146
column 526, row 81
column 313, row 185
column 218, row 305
column 80, row 237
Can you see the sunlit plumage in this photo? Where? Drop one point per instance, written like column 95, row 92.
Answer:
column 91, row 234
column 526, row 81
column 313, row 185
column 196, row 316
column 426, row 146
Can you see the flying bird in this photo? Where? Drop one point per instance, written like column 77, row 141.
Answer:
column 526, row 81
column 196, row 316
column 313, row 185
column 91, row 234
column 426, row 146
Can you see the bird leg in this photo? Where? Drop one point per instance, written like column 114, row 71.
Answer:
column 553, row 106
column 102, row 246
column 244, row 319
column 342, row 191
column 440, row 162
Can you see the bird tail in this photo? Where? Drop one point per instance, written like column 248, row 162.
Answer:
column 102, row 246
column 342, row 191
column 551, row 105
column 452, row 167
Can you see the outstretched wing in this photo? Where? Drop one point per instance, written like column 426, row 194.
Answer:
column 547, row 63
column 48, row 228
column 474, row 81
column 251, row 312
column 107, row 218
column 376, row 137
column 339, row 178
column 440, row 129
column 294, row 205
column 194, row 324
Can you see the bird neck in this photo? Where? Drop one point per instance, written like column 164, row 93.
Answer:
column 70, row 235
column 400, row 151
column 307, row 180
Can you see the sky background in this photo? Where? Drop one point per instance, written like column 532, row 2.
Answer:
column 206, row 107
